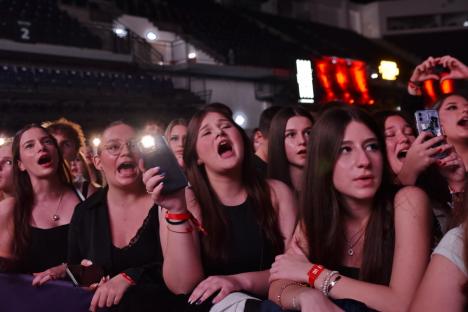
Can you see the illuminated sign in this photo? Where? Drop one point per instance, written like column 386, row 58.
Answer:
column 305, row 81
column 389, row 70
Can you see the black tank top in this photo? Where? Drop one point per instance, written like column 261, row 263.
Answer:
column 247, row 248
column 47, row 248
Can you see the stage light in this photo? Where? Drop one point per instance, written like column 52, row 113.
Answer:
column 374, row 75
column 398, row 108
column 389, row 70
column 240, row 119
column 305, row 81
column 151, row 36
column 465, row 24
column 192, row 55
column 120, row 31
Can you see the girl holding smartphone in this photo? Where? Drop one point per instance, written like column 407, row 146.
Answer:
column 231, row 205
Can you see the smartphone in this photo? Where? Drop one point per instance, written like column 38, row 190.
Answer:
column 439, row 69
column 84, row 276
column 428, row 120
column 157, row 153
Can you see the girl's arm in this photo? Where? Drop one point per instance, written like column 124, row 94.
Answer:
column 441, row 287
column 182, row 267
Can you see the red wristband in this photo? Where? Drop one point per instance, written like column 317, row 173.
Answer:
column 178, row 216
column 128, row 278
column 314, row 273
column 186, row 217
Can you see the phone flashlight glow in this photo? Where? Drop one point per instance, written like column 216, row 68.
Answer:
column 148, row 141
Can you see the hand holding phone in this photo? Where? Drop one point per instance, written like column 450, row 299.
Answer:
column 156, row 153
column 84, row 276
column 428, row 120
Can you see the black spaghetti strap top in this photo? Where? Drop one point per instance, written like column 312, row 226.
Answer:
column 143, row 249
column 247, row 248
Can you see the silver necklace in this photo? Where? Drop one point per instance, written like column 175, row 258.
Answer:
column 352, row 244
column 56, row 216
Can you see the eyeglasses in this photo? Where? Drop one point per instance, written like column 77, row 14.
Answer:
column 115, row 148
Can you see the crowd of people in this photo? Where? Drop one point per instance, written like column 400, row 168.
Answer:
column 346, row 210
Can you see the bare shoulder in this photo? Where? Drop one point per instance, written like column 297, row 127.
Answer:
column 278, row 188
column 411, row 199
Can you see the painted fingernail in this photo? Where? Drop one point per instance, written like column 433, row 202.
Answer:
column 162, row 173
column 198, row 302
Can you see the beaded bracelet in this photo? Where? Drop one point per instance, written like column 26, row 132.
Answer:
column 326, row 282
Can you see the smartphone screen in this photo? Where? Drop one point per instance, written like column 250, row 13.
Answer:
column 156, row 153
column 428, row 120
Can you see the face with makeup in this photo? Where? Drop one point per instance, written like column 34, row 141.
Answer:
column 38, row 153
column 357, row 173
column 296, row 137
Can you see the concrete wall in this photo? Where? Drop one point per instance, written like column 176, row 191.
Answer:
column 239, row 96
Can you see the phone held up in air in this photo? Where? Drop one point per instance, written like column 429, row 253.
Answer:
column 156, row 153
column 84, row 276
column 428, row 120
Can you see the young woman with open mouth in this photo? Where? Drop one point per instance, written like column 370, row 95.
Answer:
column 117, row 228
column 43, row 204
column 356, row 239
column 414, row 161
column 247, row 219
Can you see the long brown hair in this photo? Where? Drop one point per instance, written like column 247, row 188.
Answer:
column 257, row 189
column 322, row 210
column 24, row 194
column 278, row 164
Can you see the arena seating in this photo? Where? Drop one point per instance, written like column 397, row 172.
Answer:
column 97, row 82
column 232, row 36
column 41, row 21
column 324, row 39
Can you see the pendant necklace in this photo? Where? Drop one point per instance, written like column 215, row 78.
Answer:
column 56, row 216
column 352, row 244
